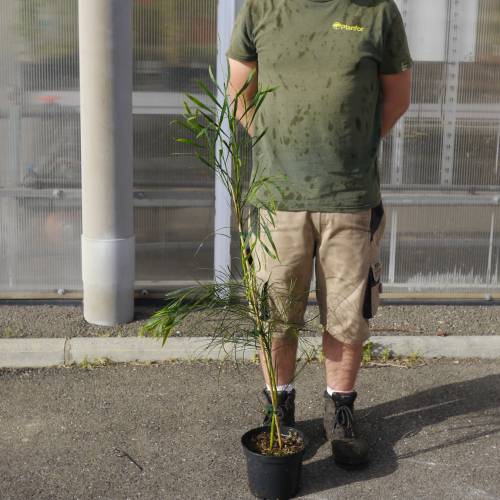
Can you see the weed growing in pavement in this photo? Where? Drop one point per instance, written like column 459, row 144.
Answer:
column 386, row 355
column 8, row 332
column 94, row 363
column 373, row 357
column 415, row 358
column 367, row 356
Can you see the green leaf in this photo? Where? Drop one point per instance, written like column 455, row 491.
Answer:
column 190, row 142
column 209, row 93
column 199, row 103
column 271, row 242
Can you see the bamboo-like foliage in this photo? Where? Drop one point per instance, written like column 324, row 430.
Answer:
column 239, row 305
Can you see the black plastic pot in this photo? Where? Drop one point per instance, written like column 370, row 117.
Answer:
column 273, row 477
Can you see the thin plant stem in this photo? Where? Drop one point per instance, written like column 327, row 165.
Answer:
column 217, row 148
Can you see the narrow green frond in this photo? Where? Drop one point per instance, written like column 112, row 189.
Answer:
column 199, row 103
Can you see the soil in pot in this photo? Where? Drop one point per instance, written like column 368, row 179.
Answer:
column 276, row 474
column 292, row 443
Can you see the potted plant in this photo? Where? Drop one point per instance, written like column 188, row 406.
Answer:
column 239, row 305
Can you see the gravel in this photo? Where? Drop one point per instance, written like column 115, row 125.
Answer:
column 56, row 321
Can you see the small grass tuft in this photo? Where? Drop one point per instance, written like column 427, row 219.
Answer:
column 386, row 355
column 367, row 356
column 8, row 332
column 415, row 358
column 374, row 355
column 87, row 364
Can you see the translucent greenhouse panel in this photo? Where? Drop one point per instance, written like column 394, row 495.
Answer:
column 174, row 46
column 40, row 172
column 423, row 144
column 160, row 161
column 452, row 248
column 476, row 155
column 493, row 270
column 174, row 243
column 479, row 81
column 448, row 144
column 40, row 219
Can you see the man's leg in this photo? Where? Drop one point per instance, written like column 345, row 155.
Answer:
column 341, row 272
column 342, row 362
column 284, row 357
column 289, row 280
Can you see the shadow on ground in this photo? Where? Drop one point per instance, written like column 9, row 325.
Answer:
column 386, row 424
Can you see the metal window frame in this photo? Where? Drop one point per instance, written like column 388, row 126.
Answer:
column 226, row 14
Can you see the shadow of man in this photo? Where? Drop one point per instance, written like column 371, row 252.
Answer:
column 386, row 424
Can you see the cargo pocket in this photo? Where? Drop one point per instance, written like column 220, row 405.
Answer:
column 374, row 286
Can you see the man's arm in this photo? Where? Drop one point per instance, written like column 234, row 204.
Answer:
column 396, row 94
column 239, row 74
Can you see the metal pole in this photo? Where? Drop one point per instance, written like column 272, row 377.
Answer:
column 497, row 156
column 108, row 242
column 226, row 13
column 490, row 248
column 10, row 207
column 392, row 246
column 451, row 95
column 398, row 133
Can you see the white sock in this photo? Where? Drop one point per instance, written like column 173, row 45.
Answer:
column 282, row 388
column 330, row 391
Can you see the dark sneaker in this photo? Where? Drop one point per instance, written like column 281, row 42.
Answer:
column 286, row 407
column 348, row 448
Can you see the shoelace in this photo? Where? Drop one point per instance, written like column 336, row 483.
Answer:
column 344, row 418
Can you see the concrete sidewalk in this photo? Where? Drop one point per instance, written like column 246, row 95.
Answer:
column 39, row 353
column 172, row 431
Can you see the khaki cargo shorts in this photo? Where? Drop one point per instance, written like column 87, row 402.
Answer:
column 348, row 268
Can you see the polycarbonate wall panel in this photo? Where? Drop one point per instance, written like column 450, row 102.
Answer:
column 429, row 258
column 174, row 243
column 40, row 199
column 174, row 45
column 40, row 138
column 439, row 168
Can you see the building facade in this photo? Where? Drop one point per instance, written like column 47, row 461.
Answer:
column 440, row 168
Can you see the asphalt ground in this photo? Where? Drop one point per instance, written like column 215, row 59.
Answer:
column 56, row 321
column 172, row 431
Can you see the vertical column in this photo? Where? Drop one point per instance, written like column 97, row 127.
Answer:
column 10, row 177
column 450, row 102
column 497, row 156
column 397, row 158
column 490, row 249
column 222, row 241
column 108, row 244
column 393, row 243
column 9, row 205
column 398, row 132
column 397, row 153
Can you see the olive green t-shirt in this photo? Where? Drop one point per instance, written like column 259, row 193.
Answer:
column 323, row 121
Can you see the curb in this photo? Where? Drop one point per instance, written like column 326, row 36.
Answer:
column 42, row 353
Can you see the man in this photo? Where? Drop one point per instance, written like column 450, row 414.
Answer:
column 342, row 68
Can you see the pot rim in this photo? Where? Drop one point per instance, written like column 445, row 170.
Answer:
column 274, row 457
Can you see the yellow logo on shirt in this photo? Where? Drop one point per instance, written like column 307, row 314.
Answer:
column 337, row 25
